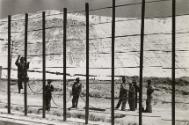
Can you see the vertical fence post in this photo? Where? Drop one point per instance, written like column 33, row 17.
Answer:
column 113, row 65
column 87, row 63
column 0, row 73
column 9, row 64
column 64, row 61
column 44, row 63
column 141, row 60
column 25, row 54
column 173, row 59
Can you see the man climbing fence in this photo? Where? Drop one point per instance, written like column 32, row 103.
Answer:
column 23, row 66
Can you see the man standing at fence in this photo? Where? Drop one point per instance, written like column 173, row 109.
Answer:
column 123, row 95
column 23, row 66
column 76, row 90
column 150, row 90
column 136, row 92
column 131, row 97
column 49, row 88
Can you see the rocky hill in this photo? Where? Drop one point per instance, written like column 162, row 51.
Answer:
column 157, row 45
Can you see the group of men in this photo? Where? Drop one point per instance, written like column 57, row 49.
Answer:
column 129, row 92
column 23, row 66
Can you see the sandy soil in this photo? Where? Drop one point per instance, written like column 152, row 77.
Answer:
column 161, row 109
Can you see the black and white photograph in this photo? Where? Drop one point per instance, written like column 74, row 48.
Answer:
column 94, row 62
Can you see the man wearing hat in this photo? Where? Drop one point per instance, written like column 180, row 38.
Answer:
column 23, row 66
column 123, row 95
column 49, row 88
column 76, row 90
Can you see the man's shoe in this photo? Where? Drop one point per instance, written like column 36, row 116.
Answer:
column 73, row 107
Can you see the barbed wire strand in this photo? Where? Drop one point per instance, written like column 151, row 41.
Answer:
column 92, row 10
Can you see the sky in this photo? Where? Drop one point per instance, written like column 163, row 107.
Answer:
column 155, row 9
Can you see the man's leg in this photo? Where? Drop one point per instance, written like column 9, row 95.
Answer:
column 148, row 105
column 74, row 101
column 129, row 102
column 119, row 103
column 124, row 101
column 22, row 80
column 49, row 104
column 19, row 84
column 132, row 105
column 45, row 102
column 77, row 98
column 136, row 100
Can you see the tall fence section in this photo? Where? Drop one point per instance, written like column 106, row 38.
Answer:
column 65, row 66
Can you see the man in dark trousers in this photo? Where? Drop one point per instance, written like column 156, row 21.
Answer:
column 123, row 95
column 131, row 97
column 23, row 66
column 49, row 88
column 150, row 90
column 76, row 90
column 136, row 92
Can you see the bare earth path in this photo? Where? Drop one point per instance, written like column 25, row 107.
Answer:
column 161, row 112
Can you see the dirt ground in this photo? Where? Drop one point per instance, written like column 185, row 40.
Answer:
column 99, row 99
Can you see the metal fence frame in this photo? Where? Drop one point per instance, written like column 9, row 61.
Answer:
column 87, row 61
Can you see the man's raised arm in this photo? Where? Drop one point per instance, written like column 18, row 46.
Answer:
column 17, row 61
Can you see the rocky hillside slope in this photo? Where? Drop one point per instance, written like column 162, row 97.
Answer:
column 157, row 45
